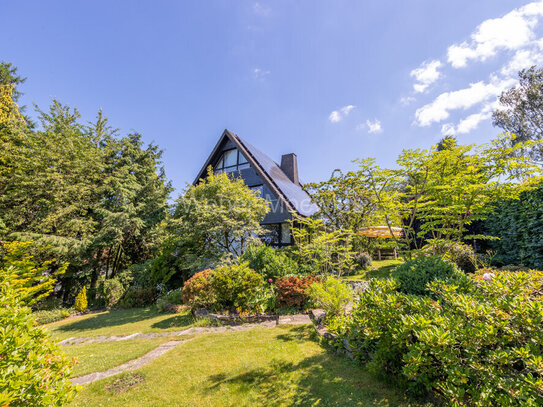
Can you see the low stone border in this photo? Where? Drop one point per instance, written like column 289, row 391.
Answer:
column 237, row 319
column 318, row 316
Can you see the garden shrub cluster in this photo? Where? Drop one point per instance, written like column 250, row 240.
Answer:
column 292, row 291
column 269, row 262
column 331, row 295
column 479, row 345
column 363, row 260
column 136, row 297
column 414, row 275
column 460, row 254
column 228, row 287
column 52, row 315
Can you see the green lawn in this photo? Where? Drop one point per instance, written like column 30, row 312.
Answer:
column 283, row 366
column 120, row 322
column 380, row 269
column 97, row 357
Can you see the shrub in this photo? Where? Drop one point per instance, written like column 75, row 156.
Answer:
column 235, row 286
column 291, row 291
column 136, row 297
column 480, row 347
column 81, row 300
column 173, row 296
column 165, row 306
column 197, row 291
column 460, row 254
column 363, row 260
column 268, row 262
column 112, row 291
column 331, row 295
column 52, row 315
column 414, row 275
column 33, row 370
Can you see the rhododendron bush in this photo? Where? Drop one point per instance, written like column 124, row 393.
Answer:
column 476, row 345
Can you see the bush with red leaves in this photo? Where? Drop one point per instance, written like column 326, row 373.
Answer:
column 291, row 291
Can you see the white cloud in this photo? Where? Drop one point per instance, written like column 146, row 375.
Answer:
column 260, row 73
column 510, row 32
column 523, row 59
column 440, row 108
column 340, row 114
column 426, row 74
column 374, row 126
column 470, row 122
column 407, row 100
column 261, row 9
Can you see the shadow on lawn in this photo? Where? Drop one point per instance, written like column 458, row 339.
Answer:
column 318, row 380
column 174, row 322
column 109, row 319
column 299, row 334
column 382, row 272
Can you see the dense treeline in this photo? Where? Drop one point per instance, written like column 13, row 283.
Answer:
column 80, row 191
column 519, row 226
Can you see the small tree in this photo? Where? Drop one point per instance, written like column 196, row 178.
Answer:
column 325, row 250
column 436, row 194
column 81, row 300
column 219, row 216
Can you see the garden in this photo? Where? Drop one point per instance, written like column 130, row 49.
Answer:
column 94, row 293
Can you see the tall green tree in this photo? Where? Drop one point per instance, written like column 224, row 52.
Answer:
column 220, row 215
column 521, row 111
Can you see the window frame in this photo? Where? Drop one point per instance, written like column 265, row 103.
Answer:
column 241, row 162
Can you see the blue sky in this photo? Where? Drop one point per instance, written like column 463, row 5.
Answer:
column 329, row 80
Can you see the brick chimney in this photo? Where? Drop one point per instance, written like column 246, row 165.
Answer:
column 289, row 165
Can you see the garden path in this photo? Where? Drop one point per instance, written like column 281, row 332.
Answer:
column 134, row 364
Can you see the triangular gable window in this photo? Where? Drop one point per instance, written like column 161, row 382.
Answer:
column 231, row 160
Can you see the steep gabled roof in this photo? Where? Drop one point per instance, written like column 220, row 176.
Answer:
column 292, row 195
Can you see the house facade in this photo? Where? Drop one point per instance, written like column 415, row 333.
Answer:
column 277, row 183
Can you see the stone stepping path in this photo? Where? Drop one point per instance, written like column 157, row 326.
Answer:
column 299, row 319
column 131, row 365
column 134, row 364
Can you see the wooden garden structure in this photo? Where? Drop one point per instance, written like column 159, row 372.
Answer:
column 383, row 232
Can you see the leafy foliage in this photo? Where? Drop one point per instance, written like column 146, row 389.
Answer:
column 268, row 262
column 325, row 251
column 197, row 291
column 292, row 291
column 30, row 280
column 363, row 260
column 458, row 253
column 112, row 290
column 415, row 275
column 520, row 111
column 92, row 198
column 519, row 226
column 81, row 300
column 439, row 193
column 235, row 286
column 478, row 347
column 33, row 371
column 331, row 295
column 136, row 297
column 220, row 215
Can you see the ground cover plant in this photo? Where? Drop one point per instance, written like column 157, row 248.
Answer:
column 478, row 345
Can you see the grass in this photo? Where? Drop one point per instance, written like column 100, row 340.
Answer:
column 380, row 269
column 97, row 357
column 283, row 366
column 120, row 322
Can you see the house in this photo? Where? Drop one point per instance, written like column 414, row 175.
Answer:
column 278, row 184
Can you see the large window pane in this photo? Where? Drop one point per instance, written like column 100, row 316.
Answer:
column 242, row 159
column 285, row 233
column 230, row 158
